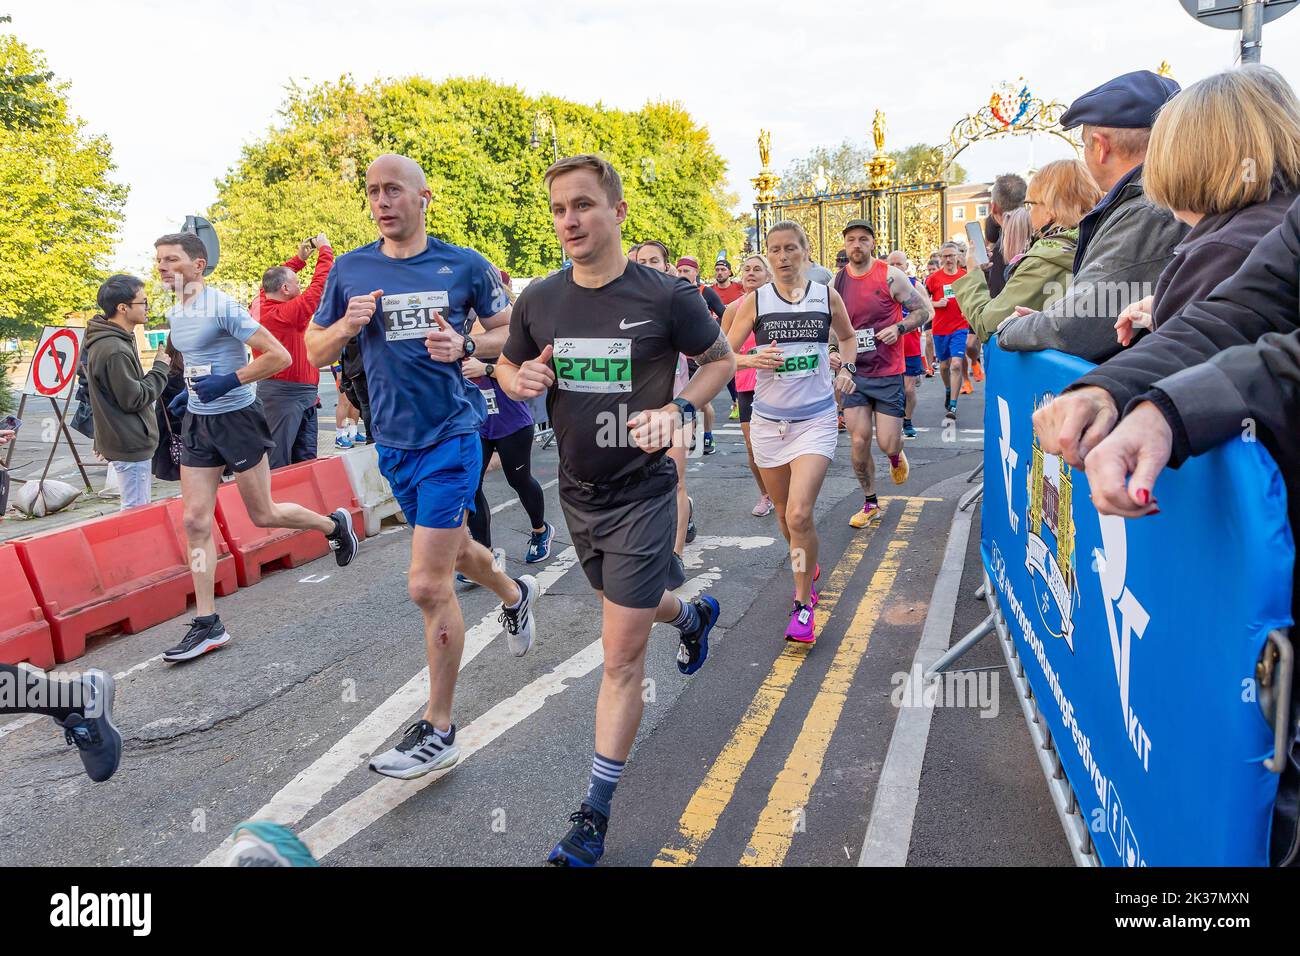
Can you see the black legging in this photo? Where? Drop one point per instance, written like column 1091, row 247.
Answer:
column 36, row 686
column 516, row 451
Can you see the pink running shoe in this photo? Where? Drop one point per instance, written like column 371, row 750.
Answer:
column 800, row 629
column 817, row 573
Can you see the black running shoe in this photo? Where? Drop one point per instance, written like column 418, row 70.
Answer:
column 92, row 731
column 690, row 520
column 205, row 634
column 693, row 648
column 584, row 844
column 344, row 539
column 710, row 446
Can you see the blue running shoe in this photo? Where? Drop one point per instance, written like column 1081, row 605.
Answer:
column 92, row 731
column 694, row 647
column 263, row 843
column 584, row 844
column 539, row 545
column 461, row 579
column 342, row 441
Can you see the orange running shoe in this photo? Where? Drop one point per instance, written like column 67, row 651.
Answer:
column 977, row 372
column 967, row 388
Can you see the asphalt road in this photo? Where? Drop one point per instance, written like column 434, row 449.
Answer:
column 770, row 755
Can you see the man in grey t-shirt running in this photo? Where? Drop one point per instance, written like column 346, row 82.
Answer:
column 225, row 427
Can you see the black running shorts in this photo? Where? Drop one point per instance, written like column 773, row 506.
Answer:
column 626, row 549
column 238, row 439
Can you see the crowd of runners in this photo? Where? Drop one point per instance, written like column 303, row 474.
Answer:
column 621, row 353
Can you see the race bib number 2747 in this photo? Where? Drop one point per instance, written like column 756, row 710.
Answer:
column 593, row 365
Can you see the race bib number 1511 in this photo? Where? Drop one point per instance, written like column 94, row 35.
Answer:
column 410, row 315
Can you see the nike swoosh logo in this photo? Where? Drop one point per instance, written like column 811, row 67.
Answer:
column 625, row 325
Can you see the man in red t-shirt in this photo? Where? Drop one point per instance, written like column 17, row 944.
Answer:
column 950, row 326
column 727, row 288
column 284, row 308
column 913, row 368
column 876, row 295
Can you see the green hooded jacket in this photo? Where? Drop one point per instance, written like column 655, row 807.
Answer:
column 1040, row 278
column 121, row 393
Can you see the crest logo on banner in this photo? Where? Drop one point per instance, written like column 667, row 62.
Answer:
column 1050, row 551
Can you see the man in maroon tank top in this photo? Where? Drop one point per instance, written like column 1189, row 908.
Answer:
column 875, row 294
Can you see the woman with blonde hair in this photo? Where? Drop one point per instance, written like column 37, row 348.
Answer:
column 1234, row 187
column 754, row 272
column 1058, row 197
column 1016, row 229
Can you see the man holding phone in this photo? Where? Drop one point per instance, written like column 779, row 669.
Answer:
column 950, row 326
column 876, row 296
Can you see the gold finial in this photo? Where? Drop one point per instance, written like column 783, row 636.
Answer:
column 1165, row 69
column 878, row 130
column 766, row 181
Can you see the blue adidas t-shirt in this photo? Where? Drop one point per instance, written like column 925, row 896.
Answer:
column 415, row 402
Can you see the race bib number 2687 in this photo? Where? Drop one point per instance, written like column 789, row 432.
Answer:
column 593, row 365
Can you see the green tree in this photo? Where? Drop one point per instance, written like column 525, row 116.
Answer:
column 18, row 108
column 472, row 138
column 845, row 167
column 61, row 211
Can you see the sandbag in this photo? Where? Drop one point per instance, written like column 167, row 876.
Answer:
column 38, row 499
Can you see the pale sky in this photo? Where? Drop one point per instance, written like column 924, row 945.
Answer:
column 178, row 88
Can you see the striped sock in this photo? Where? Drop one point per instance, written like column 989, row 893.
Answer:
column 687, row 619
column 605, row 774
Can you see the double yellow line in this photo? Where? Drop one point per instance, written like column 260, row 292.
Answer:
column 774, row 833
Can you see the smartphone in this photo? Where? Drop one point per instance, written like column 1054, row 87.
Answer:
column 10, row 424
column 975, row 236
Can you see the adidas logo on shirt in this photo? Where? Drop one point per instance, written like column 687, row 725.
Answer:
column 444, row 270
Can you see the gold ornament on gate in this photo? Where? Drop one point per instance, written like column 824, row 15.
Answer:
column 766, row 181
column 880, row 168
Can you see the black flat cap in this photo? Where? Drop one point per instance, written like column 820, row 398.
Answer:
column 1130, row 101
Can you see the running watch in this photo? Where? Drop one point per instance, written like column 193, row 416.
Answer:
column 469, row 346
column 850, row 368
column 687, row 410
column 489, row 370
column 901, row 331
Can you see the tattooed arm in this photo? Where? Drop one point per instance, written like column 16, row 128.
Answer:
column 717, row 365
column 920, row 308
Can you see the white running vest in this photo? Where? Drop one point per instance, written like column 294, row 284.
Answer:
column 801, row 388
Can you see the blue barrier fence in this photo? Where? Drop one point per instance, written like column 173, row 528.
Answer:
column 1139, row 638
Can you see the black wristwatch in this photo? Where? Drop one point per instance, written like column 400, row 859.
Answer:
column 687, row 409
column 468, row 345
column 901, row 330
column 489, row 369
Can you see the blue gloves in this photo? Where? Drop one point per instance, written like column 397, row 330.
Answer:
column 209, row 388
column 178, row 404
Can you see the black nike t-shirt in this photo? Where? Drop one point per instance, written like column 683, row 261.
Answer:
column 615, row 354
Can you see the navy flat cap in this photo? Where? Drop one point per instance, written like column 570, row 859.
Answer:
column 1130, row 101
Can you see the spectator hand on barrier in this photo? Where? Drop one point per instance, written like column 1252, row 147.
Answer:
column 1074, row 423
column 6, row 436
column 1136, row 316
column 1122, row 469
column 209, row 388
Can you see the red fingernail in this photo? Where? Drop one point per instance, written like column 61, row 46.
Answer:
column 1143, row 496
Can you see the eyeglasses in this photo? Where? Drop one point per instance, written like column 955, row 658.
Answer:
column 143, row 302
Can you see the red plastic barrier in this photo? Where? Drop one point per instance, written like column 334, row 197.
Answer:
column 321, row 485
column 129, row 570
column 24, row 632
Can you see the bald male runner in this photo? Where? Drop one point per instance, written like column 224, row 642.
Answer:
column 407, row 297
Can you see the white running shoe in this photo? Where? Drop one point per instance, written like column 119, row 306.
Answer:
column 422, row 750
column 519, row 622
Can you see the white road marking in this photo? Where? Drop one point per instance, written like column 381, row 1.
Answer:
column 314, row 579
column 514, row 501
column 301, row 795
column 340, row 826
column 29, row 719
